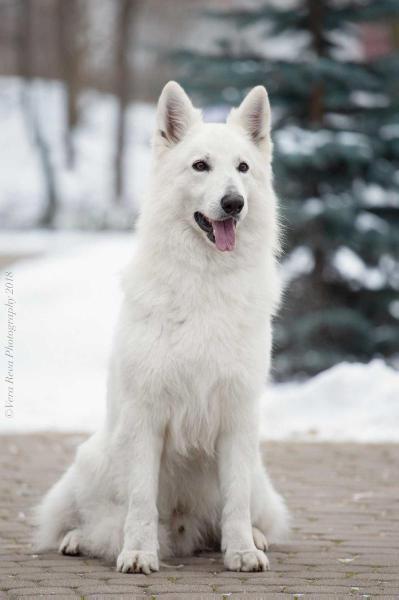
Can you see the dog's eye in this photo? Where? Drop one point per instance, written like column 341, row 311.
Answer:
column 200, row 165
column 243, row 167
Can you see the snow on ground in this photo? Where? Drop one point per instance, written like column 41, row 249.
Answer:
column 358, row 402
column 67, row 300
column 66, row 307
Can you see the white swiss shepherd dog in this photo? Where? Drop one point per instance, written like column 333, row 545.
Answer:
column 177, row 466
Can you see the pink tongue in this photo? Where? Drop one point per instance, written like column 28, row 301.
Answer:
column 225, row 234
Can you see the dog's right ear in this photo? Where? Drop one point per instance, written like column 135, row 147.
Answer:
column 175, row 114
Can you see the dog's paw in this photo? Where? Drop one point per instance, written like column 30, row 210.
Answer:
column 260, row 540
column 136, row 561
column 70, row 543
column 248, row 560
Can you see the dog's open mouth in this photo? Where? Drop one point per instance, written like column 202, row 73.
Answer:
column 222, row 233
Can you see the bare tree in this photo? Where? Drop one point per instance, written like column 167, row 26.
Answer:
column 126, row 9
column 34, row 126
column 69, row 21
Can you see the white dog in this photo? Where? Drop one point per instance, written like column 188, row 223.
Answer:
column 176, row 466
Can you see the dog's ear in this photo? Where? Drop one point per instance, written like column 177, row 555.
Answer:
column 175, row 114
column 253, row 115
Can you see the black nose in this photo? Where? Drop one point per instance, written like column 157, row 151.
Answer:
column 232, row 204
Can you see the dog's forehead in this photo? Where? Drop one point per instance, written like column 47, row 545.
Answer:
column 218, row 140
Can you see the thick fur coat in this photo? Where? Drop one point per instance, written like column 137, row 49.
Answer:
column 176, row 466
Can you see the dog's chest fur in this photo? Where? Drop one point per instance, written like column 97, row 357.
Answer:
column 194, row 344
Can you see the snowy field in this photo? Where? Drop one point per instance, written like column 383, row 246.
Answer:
column 68, row 295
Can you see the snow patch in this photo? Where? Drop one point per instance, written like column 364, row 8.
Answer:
column 351, row 266
column 294, row 140
column 349, row 402
column 366, row 221
column 369, row 100
column 375, row 195
column 299, row 262
column 67, row 302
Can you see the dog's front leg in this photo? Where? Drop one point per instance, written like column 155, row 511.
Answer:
column 236, row 456
column 140, row 547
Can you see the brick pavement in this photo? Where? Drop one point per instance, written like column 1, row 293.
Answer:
column 345, row 541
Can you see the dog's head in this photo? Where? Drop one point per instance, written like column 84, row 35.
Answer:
column 214, row 170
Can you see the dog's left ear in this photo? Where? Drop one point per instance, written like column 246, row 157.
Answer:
column 253, row 115
column 175, row 114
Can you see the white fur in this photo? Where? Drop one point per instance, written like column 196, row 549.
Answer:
column 176, row 466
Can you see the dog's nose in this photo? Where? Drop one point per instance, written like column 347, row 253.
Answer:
column 232, row 204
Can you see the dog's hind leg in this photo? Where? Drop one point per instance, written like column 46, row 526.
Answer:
column 57, row 513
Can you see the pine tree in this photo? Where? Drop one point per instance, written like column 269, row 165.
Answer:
column 336, row 164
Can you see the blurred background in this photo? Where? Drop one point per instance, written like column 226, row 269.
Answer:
column 79, row 80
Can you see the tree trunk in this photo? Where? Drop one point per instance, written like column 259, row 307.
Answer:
column 122, row 84
column 25, row 58
column 70, row 54
column 316, row 117
column 316, row 13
